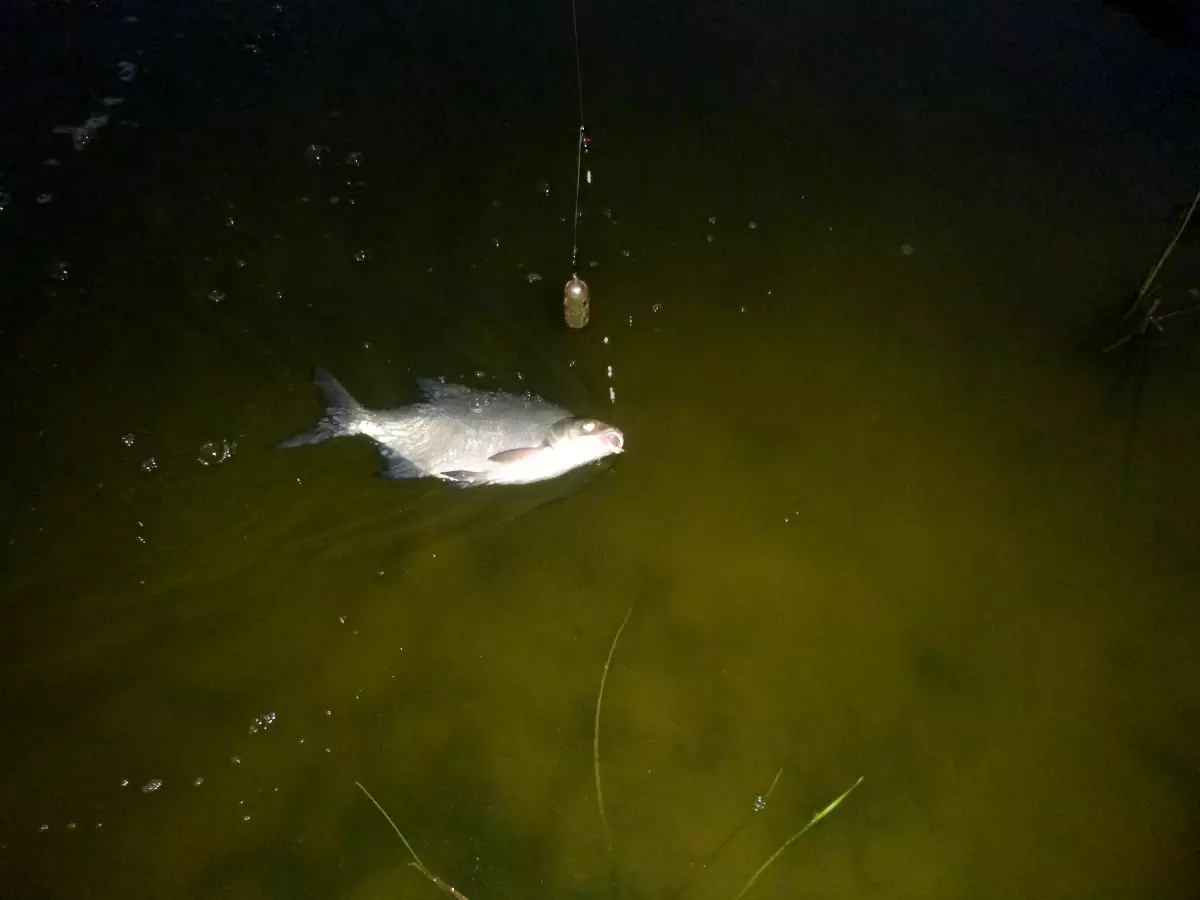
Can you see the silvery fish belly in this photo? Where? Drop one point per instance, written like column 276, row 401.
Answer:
column 466, row 436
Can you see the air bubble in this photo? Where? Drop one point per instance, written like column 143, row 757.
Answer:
column 362, row 255
column 533, row 277
column 354, row 159
column 149, row 465
column 151, row 786
column 212, row 453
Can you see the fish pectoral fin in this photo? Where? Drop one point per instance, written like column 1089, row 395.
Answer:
column 463, row 477
column 396, row 466
column 516, row 455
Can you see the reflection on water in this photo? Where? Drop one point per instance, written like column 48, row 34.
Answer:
column 874, row 511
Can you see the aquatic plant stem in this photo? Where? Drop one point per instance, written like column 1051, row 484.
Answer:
column 596, row 732
column 815, row 819
column 416, row 863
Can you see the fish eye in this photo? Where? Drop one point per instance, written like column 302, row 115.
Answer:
column 589, row 426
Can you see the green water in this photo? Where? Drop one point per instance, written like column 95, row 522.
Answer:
column 882, row 513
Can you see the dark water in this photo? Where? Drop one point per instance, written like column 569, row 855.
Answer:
column 886, row 511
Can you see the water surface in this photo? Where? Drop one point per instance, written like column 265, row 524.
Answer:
column 886, row 510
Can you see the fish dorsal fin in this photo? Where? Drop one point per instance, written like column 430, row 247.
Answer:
column 441, row 390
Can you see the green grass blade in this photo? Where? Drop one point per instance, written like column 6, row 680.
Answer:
column 815, row 819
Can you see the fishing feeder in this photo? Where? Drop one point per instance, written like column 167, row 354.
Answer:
column 577, row 303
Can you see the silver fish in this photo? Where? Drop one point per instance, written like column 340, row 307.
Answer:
column 466, row 436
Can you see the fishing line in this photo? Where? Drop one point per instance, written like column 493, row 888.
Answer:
column 576, row 297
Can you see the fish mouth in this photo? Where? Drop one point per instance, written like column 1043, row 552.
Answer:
column 615, row 440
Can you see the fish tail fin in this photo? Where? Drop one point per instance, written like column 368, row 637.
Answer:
column 341, row 418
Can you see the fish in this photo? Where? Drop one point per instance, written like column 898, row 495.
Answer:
column 465, row 436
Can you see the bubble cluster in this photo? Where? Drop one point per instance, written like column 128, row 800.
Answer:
column 81, row 135
column 261, row 723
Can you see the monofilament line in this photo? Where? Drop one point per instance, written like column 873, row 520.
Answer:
column 578, row 64
column 579, row 147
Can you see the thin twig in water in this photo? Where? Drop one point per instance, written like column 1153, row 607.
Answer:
column 596, row 732
column 416, row 863
column 1171, row 246
column 815, row 819
column 1147, row 302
